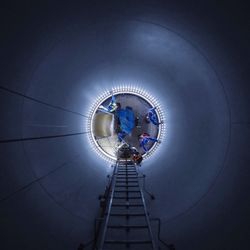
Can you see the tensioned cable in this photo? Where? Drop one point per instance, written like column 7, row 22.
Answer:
column 41, row 102
column 33, row 182
column 41, row 137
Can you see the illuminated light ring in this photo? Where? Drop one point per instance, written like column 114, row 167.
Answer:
column 125, row 90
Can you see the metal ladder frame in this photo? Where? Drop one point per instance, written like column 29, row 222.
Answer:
column 110, row 202
column 109, row 207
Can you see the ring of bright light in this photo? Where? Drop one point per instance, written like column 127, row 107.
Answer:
column 124, row 90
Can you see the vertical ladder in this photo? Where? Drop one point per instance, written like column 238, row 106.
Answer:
column 126, row 224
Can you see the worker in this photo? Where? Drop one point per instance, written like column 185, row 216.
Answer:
column 112, row 105
column 126, row 120
column 144, row 139
column 151, row 116
column 123, row 151
column 136, row 156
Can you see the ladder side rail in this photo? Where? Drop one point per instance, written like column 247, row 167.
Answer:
column 109, row 207
column 102, row 213
column 147, row 218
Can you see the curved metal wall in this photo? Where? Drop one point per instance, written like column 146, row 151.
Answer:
column 65, row 56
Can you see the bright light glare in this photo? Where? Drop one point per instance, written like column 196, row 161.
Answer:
column 129, row 89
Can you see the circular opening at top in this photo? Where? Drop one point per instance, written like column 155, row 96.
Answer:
column 125, row 115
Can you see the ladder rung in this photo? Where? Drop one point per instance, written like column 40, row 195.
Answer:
column 128, row 177
column 128, row 226
column 127, row 205
column 127, row 185
column 127, row 214
column 126, row 191
column 128, row 242
column 126, row 170
column 126, row 181
column 127, row 174
column 131, row 164
column 125, row 197
column 126, row 167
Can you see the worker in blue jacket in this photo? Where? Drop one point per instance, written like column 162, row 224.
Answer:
column 113, row 105
column 127, row 122
column 144, row 139
column 152, row 117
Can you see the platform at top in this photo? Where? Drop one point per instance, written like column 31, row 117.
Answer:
column 140, row 108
